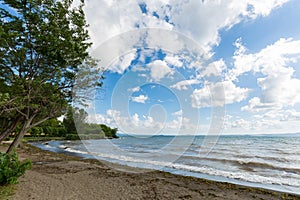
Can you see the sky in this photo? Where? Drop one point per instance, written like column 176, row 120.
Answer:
column 196, row 67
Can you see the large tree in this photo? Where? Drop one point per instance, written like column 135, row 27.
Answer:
column 43, row 43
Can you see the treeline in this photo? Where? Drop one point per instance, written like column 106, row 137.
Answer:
column 73, row 127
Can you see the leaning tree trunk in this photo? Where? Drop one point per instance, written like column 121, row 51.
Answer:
column 5, row 134
column 20, row 135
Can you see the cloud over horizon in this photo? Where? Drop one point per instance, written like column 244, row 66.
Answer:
column 175, row 44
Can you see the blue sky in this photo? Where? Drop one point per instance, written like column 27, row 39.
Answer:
column 197, row 67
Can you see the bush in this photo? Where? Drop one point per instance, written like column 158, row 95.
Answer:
column 72, row 137
column 11, row 168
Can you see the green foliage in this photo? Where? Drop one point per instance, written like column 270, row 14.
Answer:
column 51, row 128
column 11, row 168
column 6, row 191
column 109, row 132
column 72, row 137
column 72, row 116
column 76, row 116
column 67, row 128
column 36, row 131
column 43, row 46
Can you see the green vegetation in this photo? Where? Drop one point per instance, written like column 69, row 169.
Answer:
column 6, row 191
column 11, row 168
column 43, row 46
column 73, row 127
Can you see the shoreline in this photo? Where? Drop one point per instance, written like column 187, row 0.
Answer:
column 61, row 176
column 271, row 187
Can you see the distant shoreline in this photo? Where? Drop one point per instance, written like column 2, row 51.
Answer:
column 60, row 176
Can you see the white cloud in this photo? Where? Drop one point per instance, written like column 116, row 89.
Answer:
column 113, row 113
column 123, row 63
column 269, row 60
column 135, row 89
column 149, row 122
column 279, row 87
column 159, row 69
column 145, row 125
column 195, row 19
column 109, row 18
column 139, row 99
column 202, row 21
column 173, row 60
column 214, row 69
column 218, row 94
column 273, row 121
column 178, row 113
column 255, row 105
column 282, row 115
column 264, row 7
column 96, row 118
column 183, row 85
column 241, row 123
column 135, row 119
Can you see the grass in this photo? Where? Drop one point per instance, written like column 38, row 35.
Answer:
column 6, row 191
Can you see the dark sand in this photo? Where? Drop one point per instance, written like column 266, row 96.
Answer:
column 58, row 176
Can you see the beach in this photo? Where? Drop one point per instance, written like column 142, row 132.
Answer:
column 60, row 176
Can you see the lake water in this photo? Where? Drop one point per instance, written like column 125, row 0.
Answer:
column 271, row 162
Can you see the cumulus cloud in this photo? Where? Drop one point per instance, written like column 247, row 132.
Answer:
column 178, row 113
column 183, row 85
column 139, row 99
column 173, row 60
column 282, row 115
column 279, row 87
column 272, row 121
column 123, row 63
column 255, row 105
column 191, row 17
column 218, row 94
column 96, row 118
column 135, row 119
column 142, row 125
column 159, row 69
column 272, row 59
column 135, row 89
column 214, row 69
column 201, row 21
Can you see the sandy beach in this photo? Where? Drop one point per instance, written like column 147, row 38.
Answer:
column 59, row 176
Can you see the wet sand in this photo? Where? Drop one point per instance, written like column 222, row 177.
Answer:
column 59, row 176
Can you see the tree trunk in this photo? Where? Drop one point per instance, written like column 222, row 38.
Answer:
column 4, row 135
column 19, row 137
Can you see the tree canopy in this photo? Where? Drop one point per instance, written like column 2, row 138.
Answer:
column 43, row 44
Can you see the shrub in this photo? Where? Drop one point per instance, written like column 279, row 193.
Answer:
column 11, row 168
column 72, row 137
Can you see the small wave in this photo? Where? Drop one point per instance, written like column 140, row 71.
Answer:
column 245, row 176
column 240, row 175
column 248, row 164
column 237, row 175
column 269, row 166
column 75, row 151
column 63, row 147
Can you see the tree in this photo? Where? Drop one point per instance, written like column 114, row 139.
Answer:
column 8, row 120
column 75, row 124
column 72, row 116
column 43, row 44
